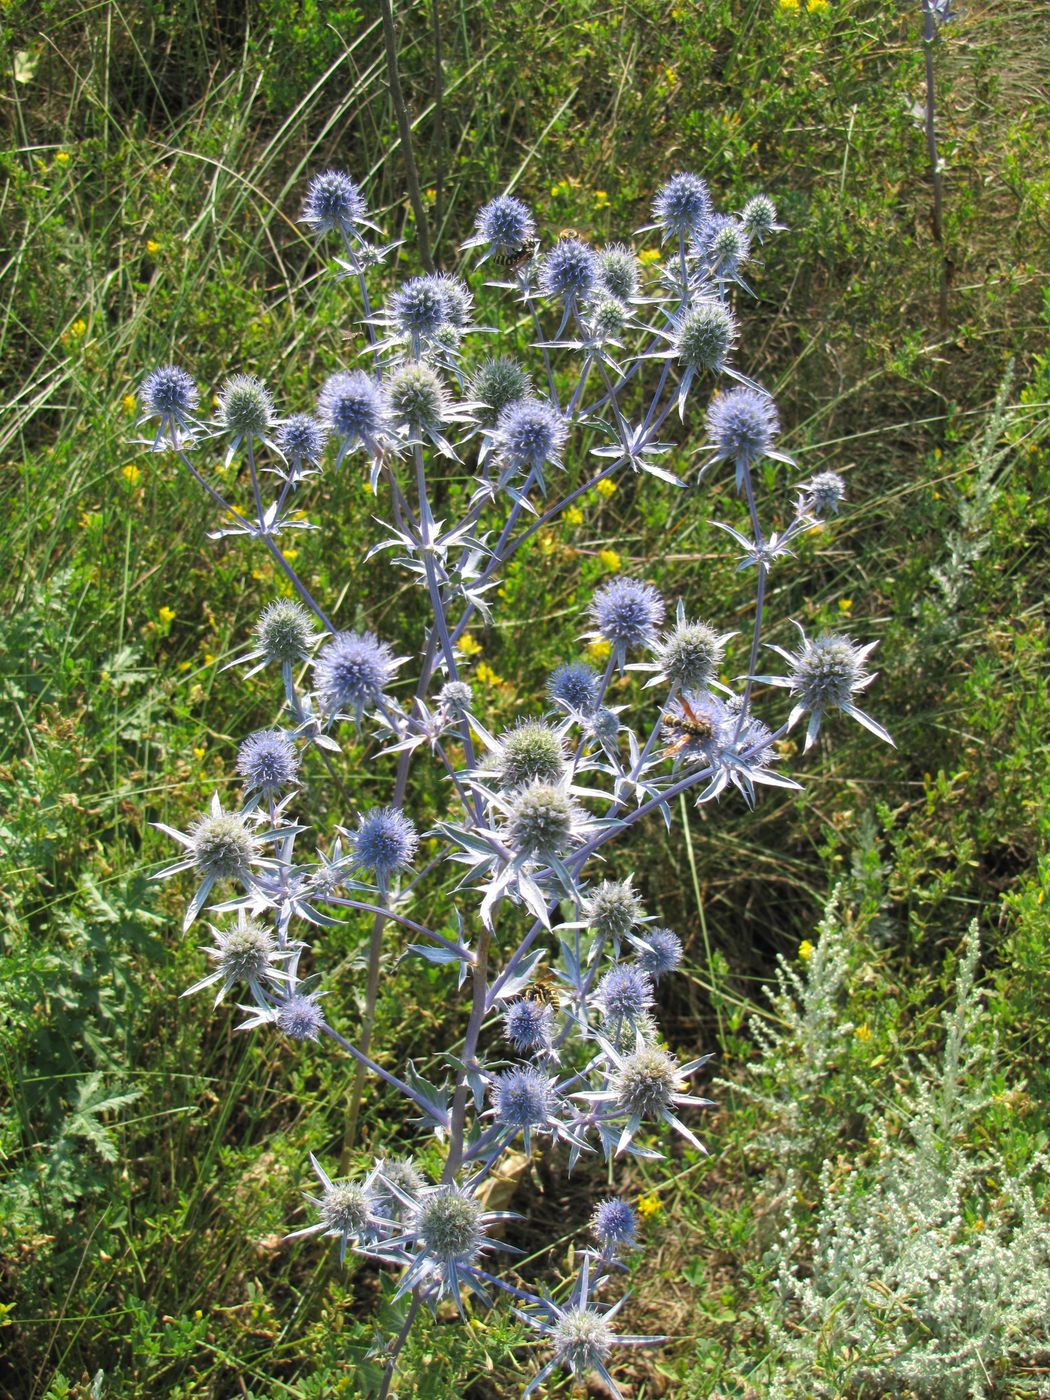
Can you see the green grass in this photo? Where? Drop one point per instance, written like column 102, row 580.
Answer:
column 153, row 168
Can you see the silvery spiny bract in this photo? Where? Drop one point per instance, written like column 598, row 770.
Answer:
column 559, row 964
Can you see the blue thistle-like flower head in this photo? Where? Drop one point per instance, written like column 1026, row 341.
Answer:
column 497, row 383
column 419, row 306
column 355, row 409
column 704, row 335
column 169, row 393
column 575, row 686
column 627, row 613
column 543, row 822
column 268, row 762
column 529, row 1025
column 725, row 245
column 759, row 216
column 618, row 271
column 301, row 438
column 697, row 727
column 284, row 632
column 419, row 401
column 385, row 841
column 682, row 205
column 245, row 408
column 529, row 751
column 829, row 669
column 454, row 698
column 300, row 1017
column 459, row 300
column 604, row 725
column 353, row 669
column 222, row 846
column 450, row 1227
column 624, row 995
column 691, row 654
column 613, row 909
column 823, row 494
column 742, row 425
column 569, row 270
column 333, row 203
column 523, row 1099
column 659, row 951
column 614, row 1223
column 505, row 224
column 529, row 434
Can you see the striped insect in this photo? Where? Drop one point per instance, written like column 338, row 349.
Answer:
column 516, row 259
column 681, row 730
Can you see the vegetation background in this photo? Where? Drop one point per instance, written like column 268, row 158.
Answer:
column 155, row 156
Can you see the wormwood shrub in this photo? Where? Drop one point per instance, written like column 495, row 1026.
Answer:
column 561, row 1050
column 927, row 1270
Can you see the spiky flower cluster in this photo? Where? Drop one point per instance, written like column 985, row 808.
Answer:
column 548, row 943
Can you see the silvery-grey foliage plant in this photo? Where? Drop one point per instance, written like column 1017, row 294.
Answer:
column 557, row 959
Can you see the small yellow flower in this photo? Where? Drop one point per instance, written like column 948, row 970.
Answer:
column 862, row 1033
column 62, row 158
column 648, row 256
column 805, row 950
column 185, row 665
column 152, row 247
column 845, row 605
column 601, row 199
column 130, row 404
column 131, row 474
column 789, row 5
column 209, row 660
column 166, row 615
column 671, row 76
column 574, row 516
column 198, row 753
column 487, row 675
column 817, row 6
column 649, row 1206
column 469, row 645
column 599, row 649
column 609, row 560
column 562, row 187
column 78, row 330
column 291, row 555
column 606, row 487
column 546, row 543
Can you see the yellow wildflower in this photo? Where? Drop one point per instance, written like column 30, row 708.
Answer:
column 198, row 753
column 546, row 543
column 152, row 247
column 817, row 6
column 648, row 256
column 469, row 645
column 862, row 1033
column 130, row 404
column 62, row 158
column 209, row 660
column 574, row 516
column 487, row 675
column 609, row 560
column 601, row 199
column 291, row 555
column 845, row 606
column 78, row 329
column 599, row 649
column 167, row 615
column 790, row 5
column 606, row 487
column 805, row 950
column 649, row 1206
column 131, row 474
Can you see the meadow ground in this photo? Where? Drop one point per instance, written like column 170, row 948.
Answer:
column 153, row 1159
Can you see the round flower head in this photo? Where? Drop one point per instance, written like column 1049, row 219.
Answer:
column 498, row 382
column 523, row 1099
column 603, row 725
column 418, row 307
column 333, row 202
column 246, row 953
column 353, row 669
column 347, row 1210
column 168, row 393
column 505, row 224
column 613, row 910
column 646, row 1081
column 583, row 1340
column 529, row 434
column 696, row 728
column 543, row 822
column 575, row 687
column 529, row 751
column 222, row 846
column 569, row 270
column 659, row 951
column 449, row 1225
column 759, row 216
column 618, row 271
column 614, row 1223
column 724, row 245
column 741, row 425
column 627, row 612
column 454, row 698
column 245, row 409
column 403, row 1175
column 301, row 439
column 704, row 335
column 823, row 494
column 606, row 318
column 827, row 673
column 284, row 632
column 691, row 654
column 300, row 1017
column 355, row 409
column 385, row 841
column 624, row 995
column 459, row 301
column 682, row 205
column 268, row 762
column 419, row 402
column 529, row 1025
